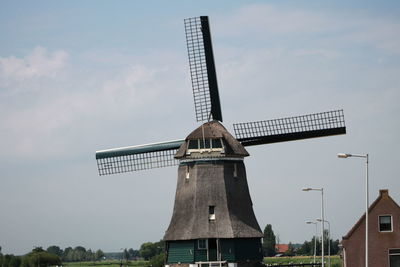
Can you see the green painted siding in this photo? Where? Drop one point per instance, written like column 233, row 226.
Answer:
column 248, row 249
column 227, row 249
column 200, row 254
column 181, row 251
column 232, row 250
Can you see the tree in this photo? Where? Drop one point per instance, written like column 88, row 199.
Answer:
column 126, row 255
column 290, row 251
column 133, row 253
column 56, row 250
column 99, row 254
column 269, row 241
column 149, row 249
column 67, row 255
column 158, row 260
column 38, row 249
column 40, row 258
column 79, row 253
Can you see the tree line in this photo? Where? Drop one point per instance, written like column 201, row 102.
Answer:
column 152, row 252
column 36, row 258
column 305, row 249
column 54, row 255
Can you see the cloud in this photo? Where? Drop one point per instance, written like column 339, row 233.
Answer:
column 268, row 19
column 39, row 63
column 59, row 117
column 268, row 22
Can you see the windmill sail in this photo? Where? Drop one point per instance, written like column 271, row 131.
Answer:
column 292, row 128
column 202, row 69
column 135, row 158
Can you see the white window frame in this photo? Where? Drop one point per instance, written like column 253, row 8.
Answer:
column 211, row 216
column 206, row 244
column 391, row 223
column 393, row 253
column 209, row 149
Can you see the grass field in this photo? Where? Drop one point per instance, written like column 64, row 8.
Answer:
column 335, row 260
column 113, row 263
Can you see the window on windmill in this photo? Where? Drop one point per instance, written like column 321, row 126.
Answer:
column 202, row 244
column 385, row 223
column 205, row 145
column 193, row 144
column 216, row 143
column 187, row 172
column 211, row 213
column 235, row 170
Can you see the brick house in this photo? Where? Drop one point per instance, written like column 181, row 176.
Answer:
column 383, row 236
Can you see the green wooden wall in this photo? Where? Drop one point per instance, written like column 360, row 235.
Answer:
column 181, row 251
column 232, row 250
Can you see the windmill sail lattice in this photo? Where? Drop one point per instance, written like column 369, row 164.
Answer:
column 135, row 158
column 292, row 128
column 202, row 69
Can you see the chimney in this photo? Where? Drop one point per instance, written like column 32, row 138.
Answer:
column 384, row 192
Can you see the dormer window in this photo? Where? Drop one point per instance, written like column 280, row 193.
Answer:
column 205, row 145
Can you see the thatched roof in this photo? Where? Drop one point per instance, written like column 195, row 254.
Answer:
column 212, row 184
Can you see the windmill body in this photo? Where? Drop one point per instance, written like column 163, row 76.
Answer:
column 213, row 220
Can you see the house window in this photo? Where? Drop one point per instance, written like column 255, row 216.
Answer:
column 385, row 223
column 202, row 244
column 394, row 257
column 211, row 213
column 235, row 174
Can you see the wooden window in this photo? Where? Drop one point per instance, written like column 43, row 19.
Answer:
column 202, row 244
column 187, row 172
column 216, row 143
column 211, row 213
column 385, row 223
column 193, row 144
column 394, row 257
column 205, row 145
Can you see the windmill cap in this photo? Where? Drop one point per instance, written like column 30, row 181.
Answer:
column 214, row 130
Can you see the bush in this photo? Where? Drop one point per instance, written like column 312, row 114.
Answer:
column 41, row 259
column 158, row 260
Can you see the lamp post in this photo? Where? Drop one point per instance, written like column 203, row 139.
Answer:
column 343, row 155
column 329, row 240
column 322, row 216
column 315, row 238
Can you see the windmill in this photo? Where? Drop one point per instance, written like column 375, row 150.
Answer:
column 213, row 219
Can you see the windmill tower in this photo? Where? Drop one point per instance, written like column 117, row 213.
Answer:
column 213, row 220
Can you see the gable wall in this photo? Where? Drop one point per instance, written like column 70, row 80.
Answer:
column 379, row 242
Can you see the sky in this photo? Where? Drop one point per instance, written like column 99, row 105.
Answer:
column 81, row 76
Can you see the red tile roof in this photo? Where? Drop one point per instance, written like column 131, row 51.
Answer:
column 281, row 248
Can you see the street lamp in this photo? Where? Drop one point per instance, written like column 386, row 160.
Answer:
column 322, row 216
column 315, row 238
column 329, row 240
column 343, row 155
